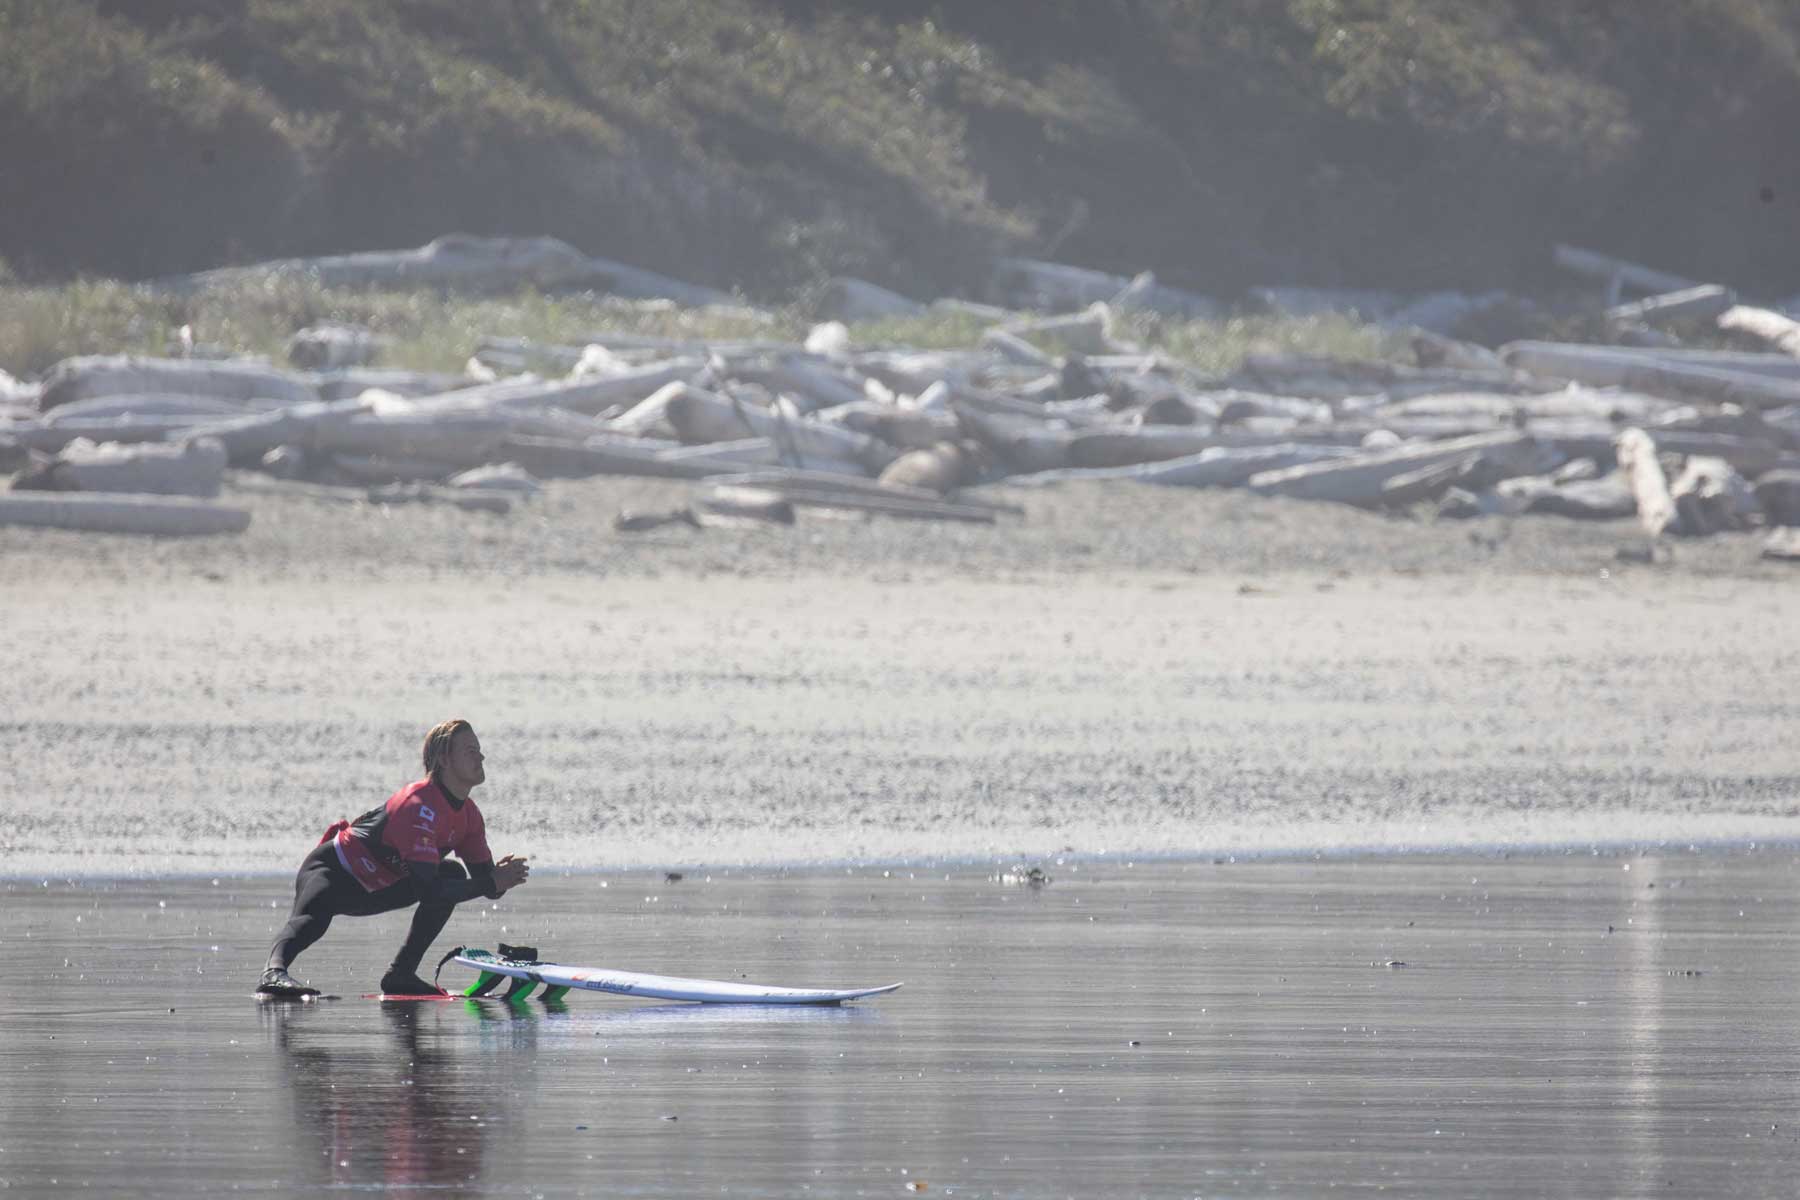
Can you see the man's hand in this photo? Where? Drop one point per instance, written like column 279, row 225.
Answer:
column 510, row 872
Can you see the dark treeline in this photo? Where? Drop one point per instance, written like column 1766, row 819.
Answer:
column 764, row 144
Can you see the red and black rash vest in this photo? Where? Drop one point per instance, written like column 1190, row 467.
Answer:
column 418, row 824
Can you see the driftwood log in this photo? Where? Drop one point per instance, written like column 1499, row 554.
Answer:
column 1710, row 497
column 1359, row 480
column 1618, row 273
column 1782, row 545
column 194, row 468
column 1781, row 332
column 1688, row 304
column 131, row 375
column 1601, row 366
column 112, row 512
column 1649, row 486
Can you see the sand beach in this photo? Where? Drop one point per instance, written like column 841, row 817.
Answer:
column 1265, row 752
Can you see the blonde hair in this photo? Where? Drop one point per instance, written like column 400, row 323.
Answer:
column 437, row 742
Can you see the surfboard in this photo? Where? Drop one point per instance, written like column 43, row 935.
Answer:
column 557, row 979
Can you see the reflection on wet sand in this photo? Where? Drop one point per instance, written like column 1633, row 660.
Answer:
column 409, row 1109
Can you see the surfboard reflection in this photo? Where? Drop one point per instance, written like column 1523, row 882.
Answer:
column 690, row 1016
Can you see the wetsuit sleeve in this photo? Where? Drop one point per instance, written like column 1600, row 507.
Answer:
column 435, row 888
column 483, row 873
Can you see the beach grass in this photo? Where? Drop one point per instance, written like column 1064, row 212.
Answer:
column 40, row 325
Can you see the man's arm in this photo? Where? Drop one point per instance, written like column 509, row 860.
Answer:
column 436, row 888
column 483, row 873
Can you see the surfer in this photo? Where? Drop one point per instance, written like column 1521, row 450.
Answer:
column 393, row 857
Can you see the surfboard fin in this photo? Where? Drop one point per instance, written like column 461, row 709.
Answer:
column 484, row 983
column 553, row 994
column 520, row 989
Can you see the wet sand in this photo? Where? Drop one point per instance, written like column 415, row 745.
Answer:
column 1134, row 670
column 1564, row 1025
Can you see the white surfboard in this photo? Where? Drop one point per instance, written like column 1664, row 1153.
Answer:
column 558, row 978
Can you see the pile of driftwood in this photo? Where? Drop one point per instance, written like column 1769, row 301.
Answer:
column 1688, row 441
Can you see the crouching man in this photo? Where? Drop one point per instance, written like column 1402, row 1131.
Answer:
column 393, row 857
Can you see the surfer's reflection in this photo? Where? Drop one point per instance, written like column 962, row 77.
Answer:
column 416, row 1108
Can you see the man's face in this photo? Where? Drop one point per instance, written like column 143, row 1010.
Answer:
column 466, row 758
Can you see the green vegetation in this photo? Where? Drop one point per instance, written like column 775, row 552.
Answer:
column 427, row 331
column 766, row 144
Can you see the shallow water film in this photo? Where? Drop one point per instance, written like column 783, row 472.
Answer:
column 1568, row 1024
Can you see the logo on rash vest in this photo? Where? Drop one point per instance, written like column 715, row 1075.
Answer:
column 368, row 864
column 425, row 824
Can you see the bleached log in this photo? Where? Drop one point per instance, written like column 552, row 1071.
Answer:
column 456, row 439
column 905, row 427
column 1604, row 499
column 1358, row 480
column 497, row 477
column 1216, row 466
column 1016, row 349
column 1695, row 303
column 1782, row 545
column 1649, row 486
column 247, row 439
column 1751, row 457
column 1078, row 333
column 910, row 372
column 1777, row 330
column 1021, row 443
column 19, row 394
column 848, row 299
column 1710, row 497
column 1229, row 406
column 375, row 470
column 733, row 502
column 699, row 416
column 1600, row 366
column 1146, row 443
column 48, row 438
column 1332, row 379
column 587, row 396
column 552, row 422
column 1749, row 362
column 1427, row 482
column 455, row 261
column 1599, row 404
column 113, row 375
column 463, row 262
column 636, row 283
column 812, row 490
column 845, row 485
column 347, row 383
column 760, row 452
column 940, row 468
column 193, row 468
column 114, row 512
column 200, row 408
column 1435, row 350
column 813, row 382
column 1616, row 271
column 554, row 458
